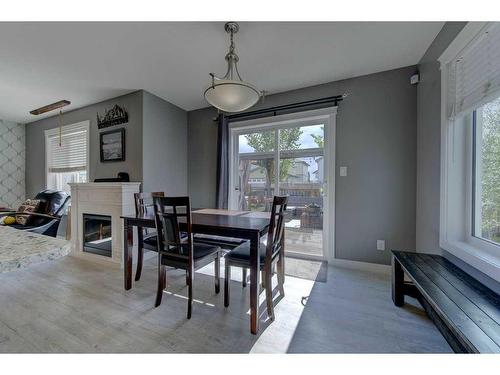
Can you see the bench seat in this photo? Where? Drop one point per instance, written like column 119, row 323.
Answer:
column 465, row 311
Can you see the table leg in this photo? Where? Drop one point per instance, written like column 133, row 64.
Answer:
column 254, row 284
column 140, row 253
column 397, row 283
column 127, row 254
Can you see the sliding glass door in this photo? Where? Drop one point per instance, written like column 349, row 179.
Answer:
column 283, row 159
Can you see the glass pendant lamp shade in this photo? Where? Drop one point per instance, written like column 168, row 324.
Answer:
column 230, row 93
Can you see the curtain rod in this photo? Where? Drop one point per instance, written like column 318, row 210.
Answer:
column 273, row 110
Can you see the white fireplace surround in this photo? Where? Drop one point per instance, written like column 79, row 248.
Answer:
column 113, row 199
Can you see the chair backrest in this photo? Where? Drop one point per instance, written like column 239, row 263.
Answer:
column 168, row 211
column 52, row 202
column 276, row 227
column 144, row 202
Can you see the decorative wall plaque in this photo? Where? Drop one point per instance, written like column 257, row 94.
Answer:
column 115, row 116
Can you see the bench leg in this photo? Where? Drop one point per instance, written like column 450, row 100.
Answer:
column 397, row 283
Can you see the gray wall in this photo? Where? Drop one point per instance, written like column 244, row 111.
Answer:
column 12, row 164
column 35, row 142
column 429, row 140
column 164, row 146
column 376, row 140
column 202, row 162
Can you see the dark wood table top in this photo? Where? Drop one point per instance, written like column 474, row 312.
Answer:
column 237, row 220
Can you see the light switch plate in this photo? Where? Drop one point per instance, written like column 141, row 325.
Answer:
column 381, row 245
column 343, row 171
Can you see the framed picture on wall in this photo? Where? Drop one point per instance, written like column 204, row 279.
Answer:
column 112, row 145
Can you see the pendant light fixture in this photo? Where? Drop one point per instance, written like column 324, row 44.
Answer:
column 51, row 107
column 230, row 93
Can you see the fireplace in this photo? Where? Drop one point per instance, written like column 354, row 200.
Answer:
column 97, row 234
column 96, row 211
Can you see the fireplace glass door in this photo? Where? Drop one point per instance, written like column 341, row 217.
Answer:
column 97, row 234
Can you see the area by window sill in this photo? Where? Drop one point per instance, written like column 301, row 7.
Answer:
column 476, row 257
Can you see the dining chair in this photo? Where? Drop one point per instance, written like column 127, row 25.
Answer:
column 270, row 253
column 143, row 206
column 175, row 250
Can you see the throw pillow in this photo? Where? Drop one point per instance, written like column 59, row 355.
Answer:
column 9, row 220
column 30, row 205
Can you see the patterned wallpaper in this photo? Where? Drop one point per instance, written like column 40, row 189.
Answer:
column 12, row 164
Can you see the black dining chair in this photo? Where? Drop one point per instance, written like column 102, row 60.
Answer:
column 270, row 253
column 179, row 251
column 143, row 206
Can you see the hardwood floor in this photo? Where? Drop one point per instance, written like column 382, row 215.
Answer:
column 350, row 313
column 72, row 305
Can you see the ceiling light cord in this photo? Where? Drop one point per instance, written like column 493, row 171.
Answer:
column 60, row 127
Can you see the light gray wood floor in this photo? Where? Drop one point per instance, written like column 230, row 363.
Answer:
column 72, row 305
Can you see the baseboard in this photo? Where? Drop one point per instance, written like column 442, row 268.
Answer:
column 364, row 266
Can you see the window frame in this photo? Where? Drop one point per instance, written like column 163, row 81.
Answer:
column 67, row 129
column 457, row 152
column 474, row 196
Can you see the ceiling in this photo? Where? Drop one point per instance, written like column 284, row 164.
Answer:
column 85, row 63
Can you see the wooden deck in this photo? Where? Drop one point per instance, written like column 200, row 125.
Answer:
column 305, row 242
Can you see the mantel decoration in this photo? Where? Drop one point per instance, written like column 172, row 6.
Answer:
column 115, row 116
column 230, row 93
column 112, row 145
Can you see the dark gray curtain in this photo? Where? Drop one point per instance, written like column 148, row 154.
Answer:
column 222, row 162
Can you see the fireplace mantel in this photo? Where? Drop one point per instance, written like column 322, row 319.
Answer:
column 113, row 199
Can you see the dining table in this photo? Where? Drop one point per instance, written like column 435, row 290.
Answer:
column 228, row 223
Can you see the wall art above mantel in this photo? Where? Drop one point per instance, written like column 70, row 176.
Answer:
column 115, row 116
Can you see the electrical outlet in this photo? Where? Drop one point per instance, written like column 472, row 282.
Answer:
column 381, row 245
column 343, row 171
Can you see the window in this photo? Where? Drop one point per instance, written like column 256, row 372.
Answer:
column 486, row 170
column 67, row 155
column 470, row 147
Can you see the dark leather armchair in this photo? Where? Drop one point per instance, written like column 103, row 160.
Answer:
column 46, row 219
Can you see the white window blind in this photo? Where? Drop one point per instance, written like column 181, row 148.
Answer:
column 70, row 155
column 474, row 75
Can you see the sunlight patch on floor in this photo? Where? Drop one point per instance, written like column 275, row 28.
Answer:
column 275, row 336
column 185, row 297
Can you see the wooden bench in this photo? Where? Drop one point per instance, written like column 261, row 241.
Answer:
column 464, row 310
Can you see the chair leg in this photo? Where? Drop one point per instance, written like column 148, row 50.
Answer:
column 244, row 278
column 263, row 278
column 162, row 283
column 281, row 277
column 227, row 279
column 217, row 274
column 190, row 292
column 268, row 276
column 140, row 255
column 187, row 278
